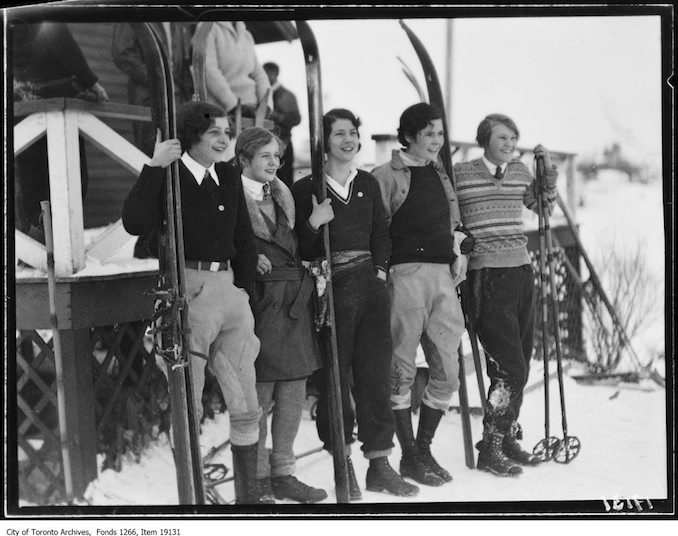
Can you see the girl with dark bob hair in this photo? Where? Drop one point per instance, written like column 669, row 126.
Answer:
column 221, row 261
column 360, row 252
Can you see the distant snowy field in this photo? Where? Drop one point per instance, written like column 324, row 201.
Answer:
column 621, row 427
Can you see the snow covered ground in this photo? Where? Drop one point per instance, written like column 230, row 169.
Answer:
column 621, row 427
column 623, row 451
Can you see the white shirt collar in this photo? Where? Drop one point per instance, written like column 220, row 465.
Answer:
column 197, row 169
column 411, row 161
column 493, row 167
column 255, row 189
column 343, row 191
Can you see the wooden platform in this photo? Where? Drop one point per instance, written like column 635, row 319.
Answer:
column 85, row 302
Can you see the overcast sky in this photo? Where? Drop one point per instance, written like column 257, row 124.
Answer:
column 572, row 83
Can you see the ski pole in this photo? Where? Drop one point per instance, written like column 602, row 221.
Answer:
column 56, row 348
column 570, row 445
column 473, row 337
column 547, row 448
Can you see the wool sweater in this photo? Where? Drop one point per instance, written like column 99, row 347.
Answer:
column 492, row 210
column 232, row 70
column 420, row 229
column 359, row 222
column 216, row 225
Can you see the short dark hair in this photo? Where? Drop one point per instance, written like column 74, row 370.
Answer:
column 415, row 119
column 250, row 140
column 331, row 117
column 194, row 119
column 486, row 125
column 273, row 67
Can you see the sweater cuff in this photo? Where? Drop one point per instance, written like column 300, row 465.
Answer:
column 551, row 176
column 310, row 227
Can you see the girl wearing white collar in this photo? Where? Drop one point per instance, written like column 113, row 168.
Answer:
column 281, row 303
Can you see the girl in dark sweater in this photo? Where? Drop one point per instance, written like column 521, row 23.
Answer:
column 360, row 251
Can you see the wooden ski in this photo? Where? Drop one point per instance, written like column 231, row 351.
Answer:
column 171, row 308
column 313, row 76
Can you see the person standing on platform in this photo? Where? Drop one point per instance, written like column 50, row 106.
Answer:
column 286, row 116
column 232, row 70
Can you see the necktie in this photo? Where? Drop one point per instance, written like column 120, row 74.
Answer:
column 267, row 190
column 498, row 174
column 208, row 182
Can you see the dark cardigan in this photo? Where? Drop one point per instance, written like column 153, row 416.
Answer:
column 210, row 234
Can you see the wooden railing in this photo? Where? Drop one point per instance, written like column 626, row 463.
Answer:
column 63, row 120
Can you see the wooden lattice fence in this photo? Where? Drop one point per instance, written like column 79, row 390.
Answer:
column 569, row 307
column 131, row 404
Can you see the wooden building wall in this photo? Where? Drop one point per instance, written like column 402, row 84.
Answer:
column 109, row 182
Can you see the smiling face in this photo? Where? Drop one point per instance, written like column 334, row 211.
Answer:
column 343, row 141
column 264, row 163
column 212, row 144
column 502, row 144
column 428, row 141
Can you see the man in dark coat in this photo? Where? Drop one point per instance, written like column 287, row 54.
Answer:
column 286, row 116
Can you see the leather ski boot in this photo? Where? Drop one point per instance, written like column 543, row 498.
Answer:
column 411, row 464
column 289, row 487
column 382, row 477
column 492, row 459
column 245, row 475
column 429, row 419
column 514, row 451
column 265, row 490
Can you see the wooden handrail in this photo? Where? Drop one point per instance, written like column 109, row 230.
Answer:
column 113, row 110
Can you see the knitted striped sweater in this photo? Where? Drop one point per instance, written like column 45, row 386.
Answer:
column 492, row 209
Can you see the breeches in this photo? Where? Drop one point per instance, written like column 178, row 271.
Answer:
column 505, row 328
column 425, row 309
column 222, row 328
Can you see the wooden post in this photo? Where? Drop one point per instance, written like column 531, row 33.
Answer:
column 78, row 401
column 571, row 184
column 65, row 186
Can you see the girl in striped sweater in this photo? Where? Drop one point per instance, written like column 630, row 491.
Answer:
column 492, row 191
